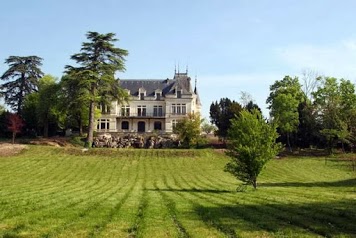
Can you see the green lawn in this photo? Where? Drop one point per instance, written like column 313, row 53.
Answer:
column 53, row 192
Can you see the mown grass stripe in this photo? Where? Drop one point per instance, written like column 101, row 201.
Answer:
column 95, row 206
column 297, row 197
column 299, row 222
column 55, row 192
column 208, row 198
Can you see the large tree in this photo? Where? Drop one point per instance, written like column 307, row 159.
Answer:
column 99, row 60
column 221, row 113
column 251, row 144
column 41, row 109
column 284, row 99
column 74, row 101
column 335, row 103
column 47, row 109
column 23, row 75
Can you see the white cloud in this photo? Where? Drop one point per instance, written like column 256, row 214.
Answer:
column 338, row 60
column 350, row 44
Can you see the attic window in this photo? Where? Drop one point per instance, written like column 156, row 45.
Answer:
column 158, row 96
column 142, row 96
column 179, row 94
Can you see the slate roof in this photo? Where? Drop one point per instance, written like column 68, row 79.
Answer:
column 181, row 81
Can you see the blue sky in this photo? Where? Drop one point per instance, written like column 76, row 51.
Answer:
column 232, row 45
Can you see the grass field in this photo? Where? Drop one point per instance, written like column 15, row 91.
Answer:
column 56, row 192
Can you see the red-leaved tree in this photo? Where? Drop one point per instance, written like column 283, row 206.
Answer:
column 15, row 124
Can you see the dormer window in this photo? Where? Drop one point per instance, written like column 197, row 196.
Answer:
column 179, row 94
column 158, row 94
column 142, row 93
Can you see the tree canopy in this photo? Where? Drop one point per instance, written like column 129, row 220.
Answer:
column 251, row 144
column 99, row 60
column 220, row 114
column 22, row 76
column 284, row 99
column 188, row 129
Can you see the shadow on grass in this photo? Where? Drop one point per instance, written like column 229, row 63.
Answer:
column 319, row 219
column 342, row 183
column 191, row 190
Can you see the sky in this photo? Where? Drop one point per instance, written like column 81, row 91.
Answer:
column 230, row 46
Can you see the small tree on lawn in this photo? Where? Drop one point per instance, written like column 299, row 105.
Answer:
column 251, row 144
column 189, row 130
column 15, row 125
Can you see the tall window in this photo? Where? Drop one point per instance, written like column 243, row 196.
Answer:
column 157, row 125
column 103, row 124
column 142, row 96
column 125, row 125
column 105, row 109
column 125, row 111
column 184, row 109
column 158, row 96
column 174, row 123
column 179, row 94
column 141, row 111
column 180, row 109
column 157, row 111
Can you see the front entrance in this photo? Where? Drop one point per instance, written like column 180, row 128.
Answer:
column 141, row 126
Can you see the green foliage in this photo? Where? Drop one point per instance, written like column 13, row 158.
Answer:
column 284, row 99
column 48, row 108
column 252, row 143
column 41, row 109
column 207, row 127
column 29, row 113
column 77, row 141
column 23, row 75
column 99, row 60
column 188, row 130
column 336, row 106
column 74, row 101
column 308, row 133
column 221, row 113
column 250, row 106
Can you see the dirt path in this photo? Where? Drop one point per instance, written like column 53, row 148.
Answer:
column 7, row 149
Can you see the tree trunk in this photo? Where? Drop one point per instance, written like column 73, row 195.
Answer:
column 13, row 137
column 22, row 89
column 91, row 124
column 254, row 183
column 288, row 142
column 45, row 127
column 80, row 125
column 80, row 128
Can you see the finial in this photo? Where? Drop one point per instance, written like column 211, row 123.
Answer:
column 178, row 67
column 175, row 68
column 186, row 70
